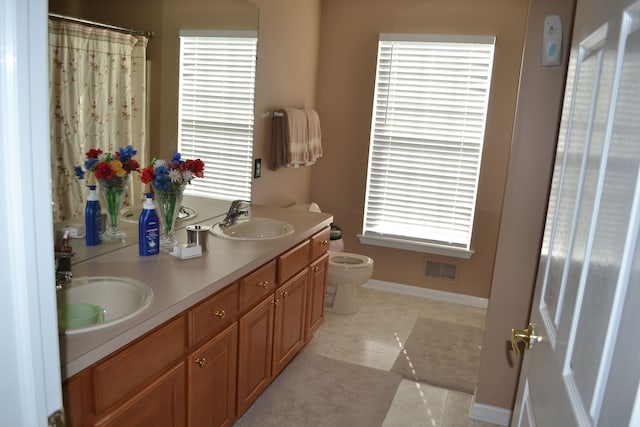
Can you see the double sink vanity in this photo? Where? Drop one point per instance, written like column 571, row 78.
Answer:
column 208, row 334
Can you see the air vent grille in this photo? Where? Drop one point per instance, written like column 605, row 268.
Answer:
column 441, row 270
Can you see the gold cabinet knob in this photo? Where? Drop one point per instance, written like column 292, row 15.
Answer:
column 275, row 302
column 325, row 242
column 218, row 313
column 284, row 294
column 263, row 284
column 315, row 269
column 201, row 362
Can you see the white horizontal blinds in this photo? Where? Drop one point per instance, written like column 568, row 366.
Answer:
column 216, row 110
column 426, row 140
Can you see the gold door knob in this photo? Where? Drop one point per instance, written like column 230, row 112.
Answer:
column 218, row 313
column 264, row 284
column 525, row 335
column 201, row 362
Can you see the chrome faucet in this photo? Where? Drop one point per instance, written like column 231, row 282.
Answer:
column 235, row 210
column 63, row 256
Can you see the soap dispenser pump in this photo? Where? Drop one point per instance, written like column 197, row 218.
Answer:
column 148, row 228
column 93, row 218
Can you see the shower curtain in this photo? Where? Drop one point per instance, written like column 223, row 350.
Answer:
column 97, row 97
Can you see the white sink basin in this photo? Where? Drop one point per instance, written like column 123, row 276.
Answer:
column 118, row 298
column 254, row 229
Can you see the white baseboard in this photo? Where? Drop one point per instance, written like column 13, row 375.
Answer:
column 489, row 414
column 427, row 293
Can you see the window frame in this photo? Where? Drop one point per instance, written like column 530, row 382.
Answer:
column 375, row 231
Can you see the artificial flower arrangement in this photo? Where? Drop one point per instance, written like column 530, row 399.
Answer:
column 109, row 166
column 112, row 172
column 171, row 175
column 169, row 179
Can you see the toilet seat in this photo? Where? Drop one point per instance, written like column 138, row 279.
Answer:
column 348, row 261
column 347, row 268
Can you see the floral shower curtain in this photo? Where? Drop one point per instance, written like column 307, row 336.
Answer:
column 97, row 96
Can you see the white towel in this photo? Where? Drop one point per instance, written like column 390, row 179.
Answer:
column 296, row 136
column 314, row 143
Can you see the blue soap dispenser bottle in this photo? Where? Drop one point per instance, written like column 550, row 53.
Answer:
column 92, row 218
column 148, row 229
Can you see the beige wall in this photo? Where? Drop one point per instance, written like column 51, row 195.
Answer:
column 524, row 210
column 348, row 46
column 287, row 64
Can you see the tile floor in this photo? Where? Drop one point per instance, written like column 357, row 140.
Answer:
column 373, row 336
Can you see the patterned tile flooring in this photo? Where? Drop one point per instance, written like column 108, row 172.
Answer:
column 373, row 337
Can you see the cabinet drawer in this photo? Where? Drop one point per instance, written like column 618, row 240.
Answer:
column 214, row 314
column 320, row 243
column 292, row 261
column 121, row 374
column 257, row 285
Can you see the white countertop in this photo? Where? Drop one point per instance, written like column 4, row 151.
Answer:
column 177, row 283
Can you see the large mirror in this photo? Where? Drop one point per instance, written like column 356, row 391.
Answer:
column 165, row 19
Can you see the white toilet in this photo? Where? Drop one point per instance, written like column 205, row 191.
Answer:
column 347, row 272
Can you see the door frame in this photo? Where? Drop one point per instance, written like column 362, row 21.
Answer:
column 533, row 147
column 29, row 360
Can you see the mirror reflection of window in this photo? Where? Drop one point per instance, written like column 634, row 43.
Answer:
column 216, row 109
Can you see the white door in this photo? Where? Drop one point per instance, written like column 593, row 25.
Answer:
column 586, row 307
column 30, row 389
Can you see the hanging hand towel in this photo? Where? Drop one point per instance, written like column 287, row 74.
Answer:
column 314, row 135
column 289, row 139
column 278, row 143
column 297, row 143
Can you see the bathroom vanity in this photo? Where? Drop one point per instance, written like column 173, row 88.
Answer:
column 220, row 327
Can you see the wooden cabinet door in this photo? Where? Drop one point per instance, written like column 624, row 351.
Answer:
column 317, row 295
column 290, row 320
column 212, row 381
column 76, row 397
column 255, row 349
column 161, row 403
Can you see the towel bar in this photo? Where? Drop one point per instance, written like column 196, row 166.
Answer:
column 277, row 114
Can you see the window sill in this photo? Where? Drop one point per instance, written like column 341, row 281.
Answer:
column 410, row 245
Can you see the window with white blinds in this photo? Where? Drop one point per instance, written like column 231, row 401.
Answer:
column 216, row 110
column 427, row 132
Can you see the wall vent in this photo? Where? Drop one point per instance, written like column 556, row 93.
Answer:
column 441, row 270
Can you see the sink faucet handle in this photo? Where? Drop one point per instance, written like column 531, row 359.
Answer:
column 62, row 245
column 63, row 268
column 234, row 212
column 238, row 203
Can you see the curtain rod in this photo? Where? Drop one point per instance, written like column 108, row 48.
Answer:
column 147, row 34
